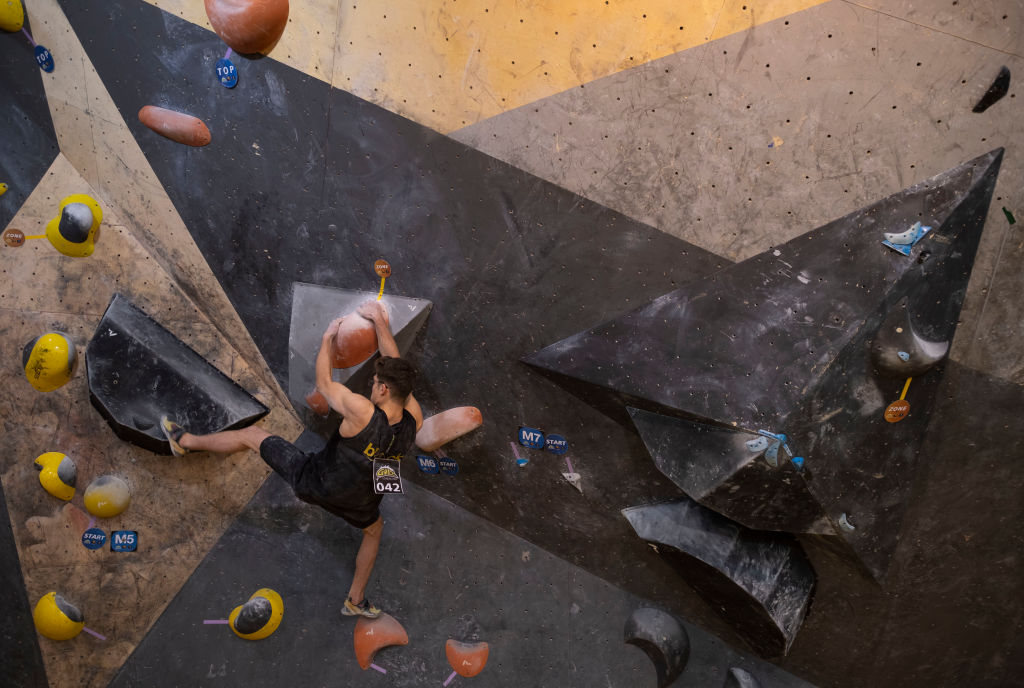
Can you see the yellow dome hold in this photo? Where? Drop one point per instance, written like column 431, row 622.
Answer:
column 57, row 473
column 259, row 617
column 49, row 360
column 56, row 618
column 12, row 15
column 74, row 231
column 107, row 496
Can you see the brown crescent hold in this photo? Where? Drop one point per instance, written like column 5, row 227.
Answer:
column 373, row 634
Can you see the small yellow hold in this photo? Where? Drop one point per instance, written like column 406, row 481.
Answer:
column 107, row 496
column 57, row 474
column 3, row 187
column 74, row 231
column 259, row 617
column 56, row 618
column 12, row 15
column 49, row 360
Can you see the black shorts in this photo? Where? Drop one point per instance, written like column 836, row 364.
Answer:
column 359, row 506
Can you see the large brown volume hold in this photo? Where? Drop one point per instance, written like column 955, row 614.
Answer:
column 248, row 26
column 176, row 126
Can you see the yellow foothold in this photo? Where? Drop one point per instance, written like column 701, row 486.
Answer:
column 12, row 15
column 259, row 617
column 49, row 360
column 56, row 618
column 74, row 231
column 3, row 187
column 57, row 474
column 107, row 496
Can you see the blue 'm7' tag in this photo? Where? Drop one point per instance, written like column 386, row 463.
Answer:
column 531, row 437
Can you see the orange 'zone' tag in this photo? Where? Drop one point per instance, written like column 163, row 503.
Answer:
column 897, row 411
column 14, row 237
column 382, row 268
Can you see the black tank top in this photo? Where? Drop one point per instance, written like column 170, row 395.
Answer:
column 343, row 470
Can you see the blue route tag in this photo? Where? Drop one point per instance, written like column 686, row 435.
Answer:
column 557, row 444
column 531, row 437
column 124, row 541
column 44, row 58
column 227, row 75
column 427, row 464
column 94, row 538
column 448, row 466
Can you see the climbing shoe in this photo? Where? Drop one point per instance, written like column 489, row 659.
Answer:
column 364, row 608
column 173, row 433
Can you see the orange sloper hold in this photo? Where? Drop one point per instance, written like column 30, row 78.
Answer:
column 316, row 401
column 248, row 26
column 373, row 634
column 177, row 126
column 440, row 429
column 355, row 342
column 468, row 659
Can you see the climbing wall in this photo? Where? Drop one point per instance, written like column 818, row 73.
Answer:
column 597, row 160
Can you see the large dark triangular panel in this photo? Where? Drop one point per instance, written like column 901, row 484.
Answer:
column 28, row 143
column 138, row 371
column 742, row 347
column 806, row 343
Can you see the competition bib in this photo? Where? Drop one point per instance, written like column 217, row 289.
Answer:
column 387, row 477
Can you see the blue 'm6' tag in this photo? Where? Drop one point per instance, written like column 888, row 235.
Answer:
column 449, row 466
column 44, row 58
column 94, row 538
column 427, row 464
column 557, row 444
column 531, row 437
column 124, row 541
column 226, row 73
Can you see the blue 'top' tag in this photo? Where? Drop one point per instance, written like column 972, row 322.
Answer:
column 531, row 438
column 227, row 75
column 448, row 466
column 427, row 464
column 124, row 541
column 44, row 59
column 556, row 444
column 94, row 538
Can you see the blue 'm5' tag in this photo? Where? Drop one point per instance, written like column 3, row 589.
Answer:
column 227, row 75
column 124, row 541
column 557, row 444
column 531, row 437
column 94, row 538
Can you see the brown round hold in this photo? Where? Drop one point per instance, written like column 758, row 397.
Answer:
column 14, row 237
column 316, row 401
column 897, row 411
column 382, row 268
column 355, row 342
column 176, row 126
column 248, row 26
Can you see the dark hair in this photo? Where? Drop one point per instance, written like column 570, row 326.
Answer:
column 398, row 374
